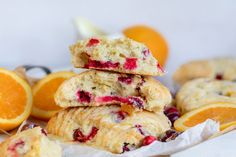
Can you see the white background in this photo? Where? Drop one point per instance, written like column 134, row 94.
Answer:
column 39, row 32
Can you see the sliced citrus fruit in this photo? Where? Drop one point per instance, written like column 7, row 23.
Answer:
column 15, row 100
column 44, row 105
column 224, row 113
column 151, row 38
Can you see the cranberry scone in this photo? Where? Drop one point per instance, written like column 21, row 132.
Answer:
column 108, row 127
column 219, row 69
column 121, row 55
column 30, row 143
column 199, row 92
column 95, row 88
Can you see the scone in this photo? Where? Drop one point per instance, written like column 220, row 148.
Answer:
column 94, row 88
column 30, row 143
column 199, row 92
column 107, row 127
column 121, row 55
column 220, row 69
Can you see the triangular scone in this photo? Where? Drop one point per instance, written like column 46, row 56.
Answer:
column 107, row 127
column 121, row 55
column 30, row 143
column 95, row 88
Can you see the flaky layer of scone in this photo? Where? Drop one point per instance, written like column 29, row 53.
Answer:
column 30, row 143
column 121, row 55
column 199, row 92
column 107, row 127
column 96, row 88
column 221, row 69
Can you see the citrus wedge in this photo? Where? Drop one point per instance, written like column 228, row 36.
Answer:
column 15, row 100
column 151, row 38
column 224, row 113
column 44, row 105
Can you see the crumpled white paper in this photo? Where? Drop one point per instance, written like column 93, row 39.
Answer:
column 191, row 137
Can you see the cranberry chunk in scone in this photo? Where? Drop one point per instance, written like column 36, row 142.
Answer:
column 119, row 115
column 30, row 142
column 122, row 55
column 97, row 88
column 108, row 127
column 148, row 140
column 79, row 136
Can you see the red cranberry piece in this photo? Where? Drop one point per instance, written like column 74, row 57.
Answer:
column 18, row 144
column 79, row 136
column 140, row 84
column 125, row 79
column 168, row 136
column 148, row 140
column 109, row 64
column 219, row 77
column 172, row 113
column 83, row 96
column 93, row 133
column 160, row 68
column 139, row 127
column 44, row 132
column 106, row 99
column 130, row 63
column 100, row 64
column 137, row 102
column 121, row 115
column 146, row 53
column 127, row 147
column 92, row 42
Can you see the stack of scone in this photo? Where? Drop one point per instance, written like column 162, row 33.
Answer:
column 117, row 106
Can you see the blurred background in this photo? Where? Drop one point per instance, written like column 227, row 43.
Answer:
column 39, row 32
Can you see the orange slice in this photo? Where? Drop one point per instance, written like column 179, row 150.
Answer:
column 224, row 113
column 15, row 100
column 151, row 38
column 44, row 106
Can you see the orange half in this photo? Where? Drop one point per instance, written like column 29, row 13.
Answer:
column 151, row 38
column 15, row 100
column 44, row 106
column 224, row 113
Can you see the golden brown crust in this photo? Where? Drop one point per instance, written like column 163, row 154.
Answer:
column 113, row 130
column 212, row 68
column 153, row 95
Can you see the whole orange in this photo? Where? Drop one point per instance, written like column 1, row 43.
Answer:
column 151, row 38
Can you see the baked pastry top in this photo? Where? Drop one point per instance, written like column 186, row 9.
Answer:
column 220, row 69
column 122, row 55
column 107, row 127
